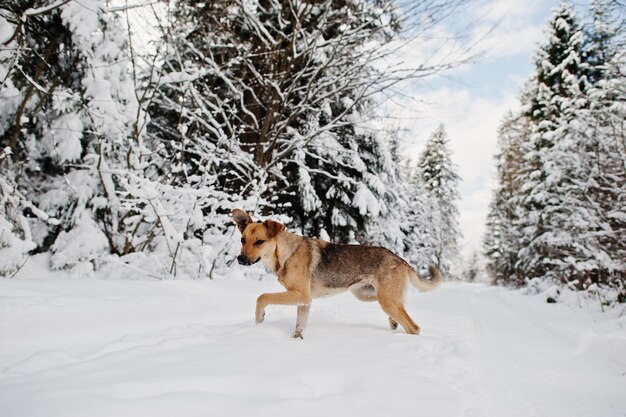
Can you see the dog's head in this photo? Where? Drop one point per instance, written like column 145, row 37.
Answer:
column 258, row 240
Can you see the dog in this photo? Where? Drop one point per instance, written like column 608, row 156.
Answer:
column 309, row 268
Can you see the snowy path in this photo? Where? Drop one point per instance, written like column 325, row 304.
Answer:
column 188, row 348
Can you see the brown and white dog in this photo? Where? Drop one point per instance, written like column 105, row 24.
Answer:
column 309, row 268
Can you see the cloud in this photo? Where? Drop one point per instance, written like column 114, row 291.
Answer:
column 506, row 41
column 506, row 28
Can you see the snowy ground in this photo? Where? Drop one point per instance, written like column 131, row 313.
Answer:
column 93, row 347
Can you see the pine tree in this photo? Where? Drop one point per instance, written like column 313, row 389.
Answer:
column 440, row 180
column 16, row 239
column 602, row 144
column 420, row 231
column 603, row 43
column 502, row 236
column 557, row 94
column 473, row 268
column 557, row 213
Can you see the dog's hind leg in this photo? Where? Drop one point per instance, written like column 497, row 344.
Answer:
column 397, row 314
column 303, row 316
column 367, row 293
column 390, row 299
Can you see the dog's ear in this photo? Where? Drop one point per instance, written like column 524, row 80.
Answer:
column 241, row 218
column 273, row 228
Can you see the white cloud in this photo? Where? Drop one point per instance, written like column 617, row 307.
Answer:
column 509, row 27
column 506, row 41
column 495, row 10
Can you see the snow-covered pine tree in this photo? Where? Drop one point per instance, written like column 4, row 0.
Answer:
column 502, row 235
column 418, row 227
column 16, row 239
column 72, row 103
column 472, row 271
column 564, row 213
column 604, row 39
column 349, row 184
column 557, row 93
column 384, row 208
column 355, row 189
column 601, row 136
column 438, row 175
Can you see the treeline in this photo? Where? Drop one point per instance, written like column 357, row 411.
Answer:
column 558, row 213
column 112, row 148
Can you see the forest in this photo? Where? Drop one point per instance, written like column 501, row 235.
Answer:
column 120, row 148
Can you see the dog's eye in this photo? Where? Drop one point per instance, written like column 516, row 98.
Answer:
column 243, row 240
column 259, row 242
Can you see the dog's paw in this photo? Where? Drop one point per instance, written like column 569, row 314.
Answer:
column 414, row 331
column 393, row 324
column 297, row 334
column 260, row 317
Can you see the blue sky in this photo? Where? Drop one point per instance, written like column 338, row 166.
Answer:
column 472, row 99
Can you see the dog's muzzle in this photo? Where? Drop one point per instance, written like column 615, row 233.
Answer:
column 243, row 260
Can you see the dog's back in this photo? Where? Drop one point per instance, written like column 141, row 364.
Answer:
column 340, row 266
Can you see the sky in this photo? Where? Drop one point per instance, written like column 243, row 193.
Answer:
column 472, row 99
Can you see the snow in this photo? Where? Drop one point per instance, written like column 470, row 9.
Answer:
column 84, row 242
column 98, row 347
column 366, row 202
column 6, row 30
column 13, row 250
column 64, row 137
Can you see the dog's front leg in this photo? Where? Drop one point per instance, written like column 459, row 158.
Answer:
column 287, row 297
column 259, row 315
column 303, row 316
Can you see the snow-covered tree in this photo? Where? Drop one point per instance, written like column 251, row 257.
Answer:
column 438, row 175
column 267, row 96
column 420, row 231
column 68, row 123
column 83, row 178
column 502, row 235
column 603, row 146
column 261, row 93
column 604, row 39
column 557, row 94
column 16, row 239
column 472, row 271
column 558, row 210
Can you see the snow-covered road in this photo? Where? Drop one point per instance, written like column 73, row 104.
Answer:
column 91, row 347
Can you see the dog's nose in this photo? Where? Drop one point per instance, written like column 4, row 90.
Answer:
column 243, row 259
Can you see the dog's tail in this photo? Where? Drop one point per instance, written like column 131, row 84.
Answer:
column 424, row 284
